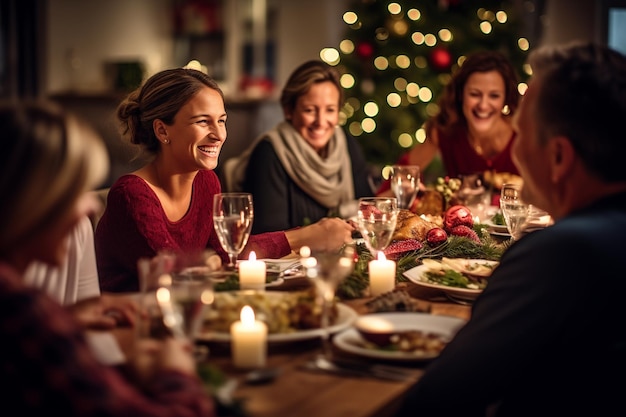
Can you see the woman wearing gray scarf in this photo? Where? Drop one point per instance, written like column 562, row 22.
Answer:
column 304, row 168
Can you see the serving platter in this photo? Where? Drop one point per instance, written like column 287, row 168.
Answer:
column 458, row 294
column 345, row 316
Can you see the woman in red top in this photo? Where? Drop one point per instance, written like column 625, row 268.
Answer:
column 472, row 131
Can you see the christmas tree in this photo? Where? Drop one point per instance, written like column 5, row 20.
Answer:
column 397, row 56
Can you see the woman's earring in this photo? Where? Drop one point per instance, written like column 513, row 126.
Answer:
column 166, row 141
column 506, row 110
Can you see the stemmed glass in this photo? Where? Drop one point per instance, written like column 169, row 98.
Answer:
column 325, row 270
column 405, row 182
column 514, row 210
column 376, row 218
column 177, row 294
column 233, row 214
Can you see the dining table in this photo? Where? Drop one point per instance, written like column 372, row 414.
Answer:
column 298, row 391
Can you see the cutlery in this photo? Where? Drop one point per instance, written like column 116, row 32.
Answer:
column 358, row 369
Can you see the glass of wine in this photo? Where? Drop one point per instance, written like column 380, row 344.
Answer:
column 325, row 270
column 233, row 214
column 514, row 210
column 405, row 182
column 376, row 218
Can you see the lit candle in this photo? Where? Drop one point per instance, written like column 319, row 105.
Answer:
column 248, row 340
column 382, row 273
column 252, row 274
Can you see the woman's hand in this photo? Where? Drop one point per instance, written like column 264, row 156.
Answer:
column 105, row 312
column 328, row 234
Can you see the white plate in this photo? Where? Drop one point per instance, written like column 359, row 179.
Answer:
column 351, row 341
column 345, row 316
column 495, row 228
column 415, row 275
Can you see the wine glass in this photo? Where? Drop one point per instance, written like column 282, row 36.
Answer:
column 233, row 214
column 405, row 182
column 376, row 218
column 325, row 270
column 514, row 210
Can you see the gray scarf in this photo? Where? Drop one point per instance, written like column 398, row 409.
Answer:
column 327, row 180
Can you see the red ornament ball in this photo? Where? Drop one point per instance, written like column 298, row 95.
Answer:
column 456, row 216
column 436, row 236
column 365, row 50
column 440, row 59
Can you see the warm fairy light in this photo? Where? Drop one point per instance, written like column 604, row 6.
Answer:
column 432, row 109
column 417, row 38
column 368, row 86
column 420, row 62
column 485, row 27
column 355, row 129
column 400, row 27
column 522, row 87
column 501, row 16
column 405, row 140
column 430, row 40
column 523, row 44
column 425, row 94
column 414, row 14
column 403, row 61
column 381, row 63
column 445, row 35
column 394, row 8
column 400, row 84
column 350, row 18
column 527, row 69
column 412, row 89
column 354, row 103
column 481, row 13
column 381, row 34
column 420, row 135
column 347, row 81
column 394, row 99
column 368, row 125
column 330, row 56
column 346, row 46
column 370, row 109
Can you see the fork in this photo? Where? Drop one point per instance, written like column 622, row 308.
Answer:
column 358, row 369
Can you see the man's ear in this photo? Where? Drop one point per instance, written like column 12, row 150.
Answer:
column 160, row 130
column 562, row 158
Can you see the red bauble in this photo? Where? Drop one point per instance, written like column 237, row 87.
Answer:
column 456, row 216
column 365, row 50
column 440, row 59
column 436, row 236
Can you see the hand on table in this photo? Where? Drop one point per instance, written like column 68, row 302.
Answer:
column 105, row 312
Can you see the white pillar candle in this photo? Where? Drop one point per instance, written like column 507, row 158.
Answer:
column 382, row 274
column 248, row 340
column 252, row 274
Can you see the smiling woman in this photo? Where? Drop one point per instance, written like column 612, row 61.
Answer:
column 178, row 117
column 472, row 131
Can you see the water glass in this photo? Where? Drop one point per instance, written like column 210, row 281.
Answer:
column 514, row 210
column 233, row 214
column 405, row 182
column 376, row 218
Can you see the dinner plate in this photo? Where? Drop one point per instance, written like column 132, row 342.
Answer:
column 495, row 228
column 345, row 316
column 415, row 275
column 351, row 341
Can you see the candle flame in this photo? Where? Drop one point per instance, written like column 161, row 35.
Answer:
column 381, row 256
column 247, row 316
column 252, row 256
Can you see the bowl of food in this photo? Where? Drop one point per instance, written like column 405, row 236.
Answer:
column 375, row 329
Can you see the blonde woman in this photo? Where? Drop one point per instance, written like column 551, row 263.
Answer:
column 49, row 161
